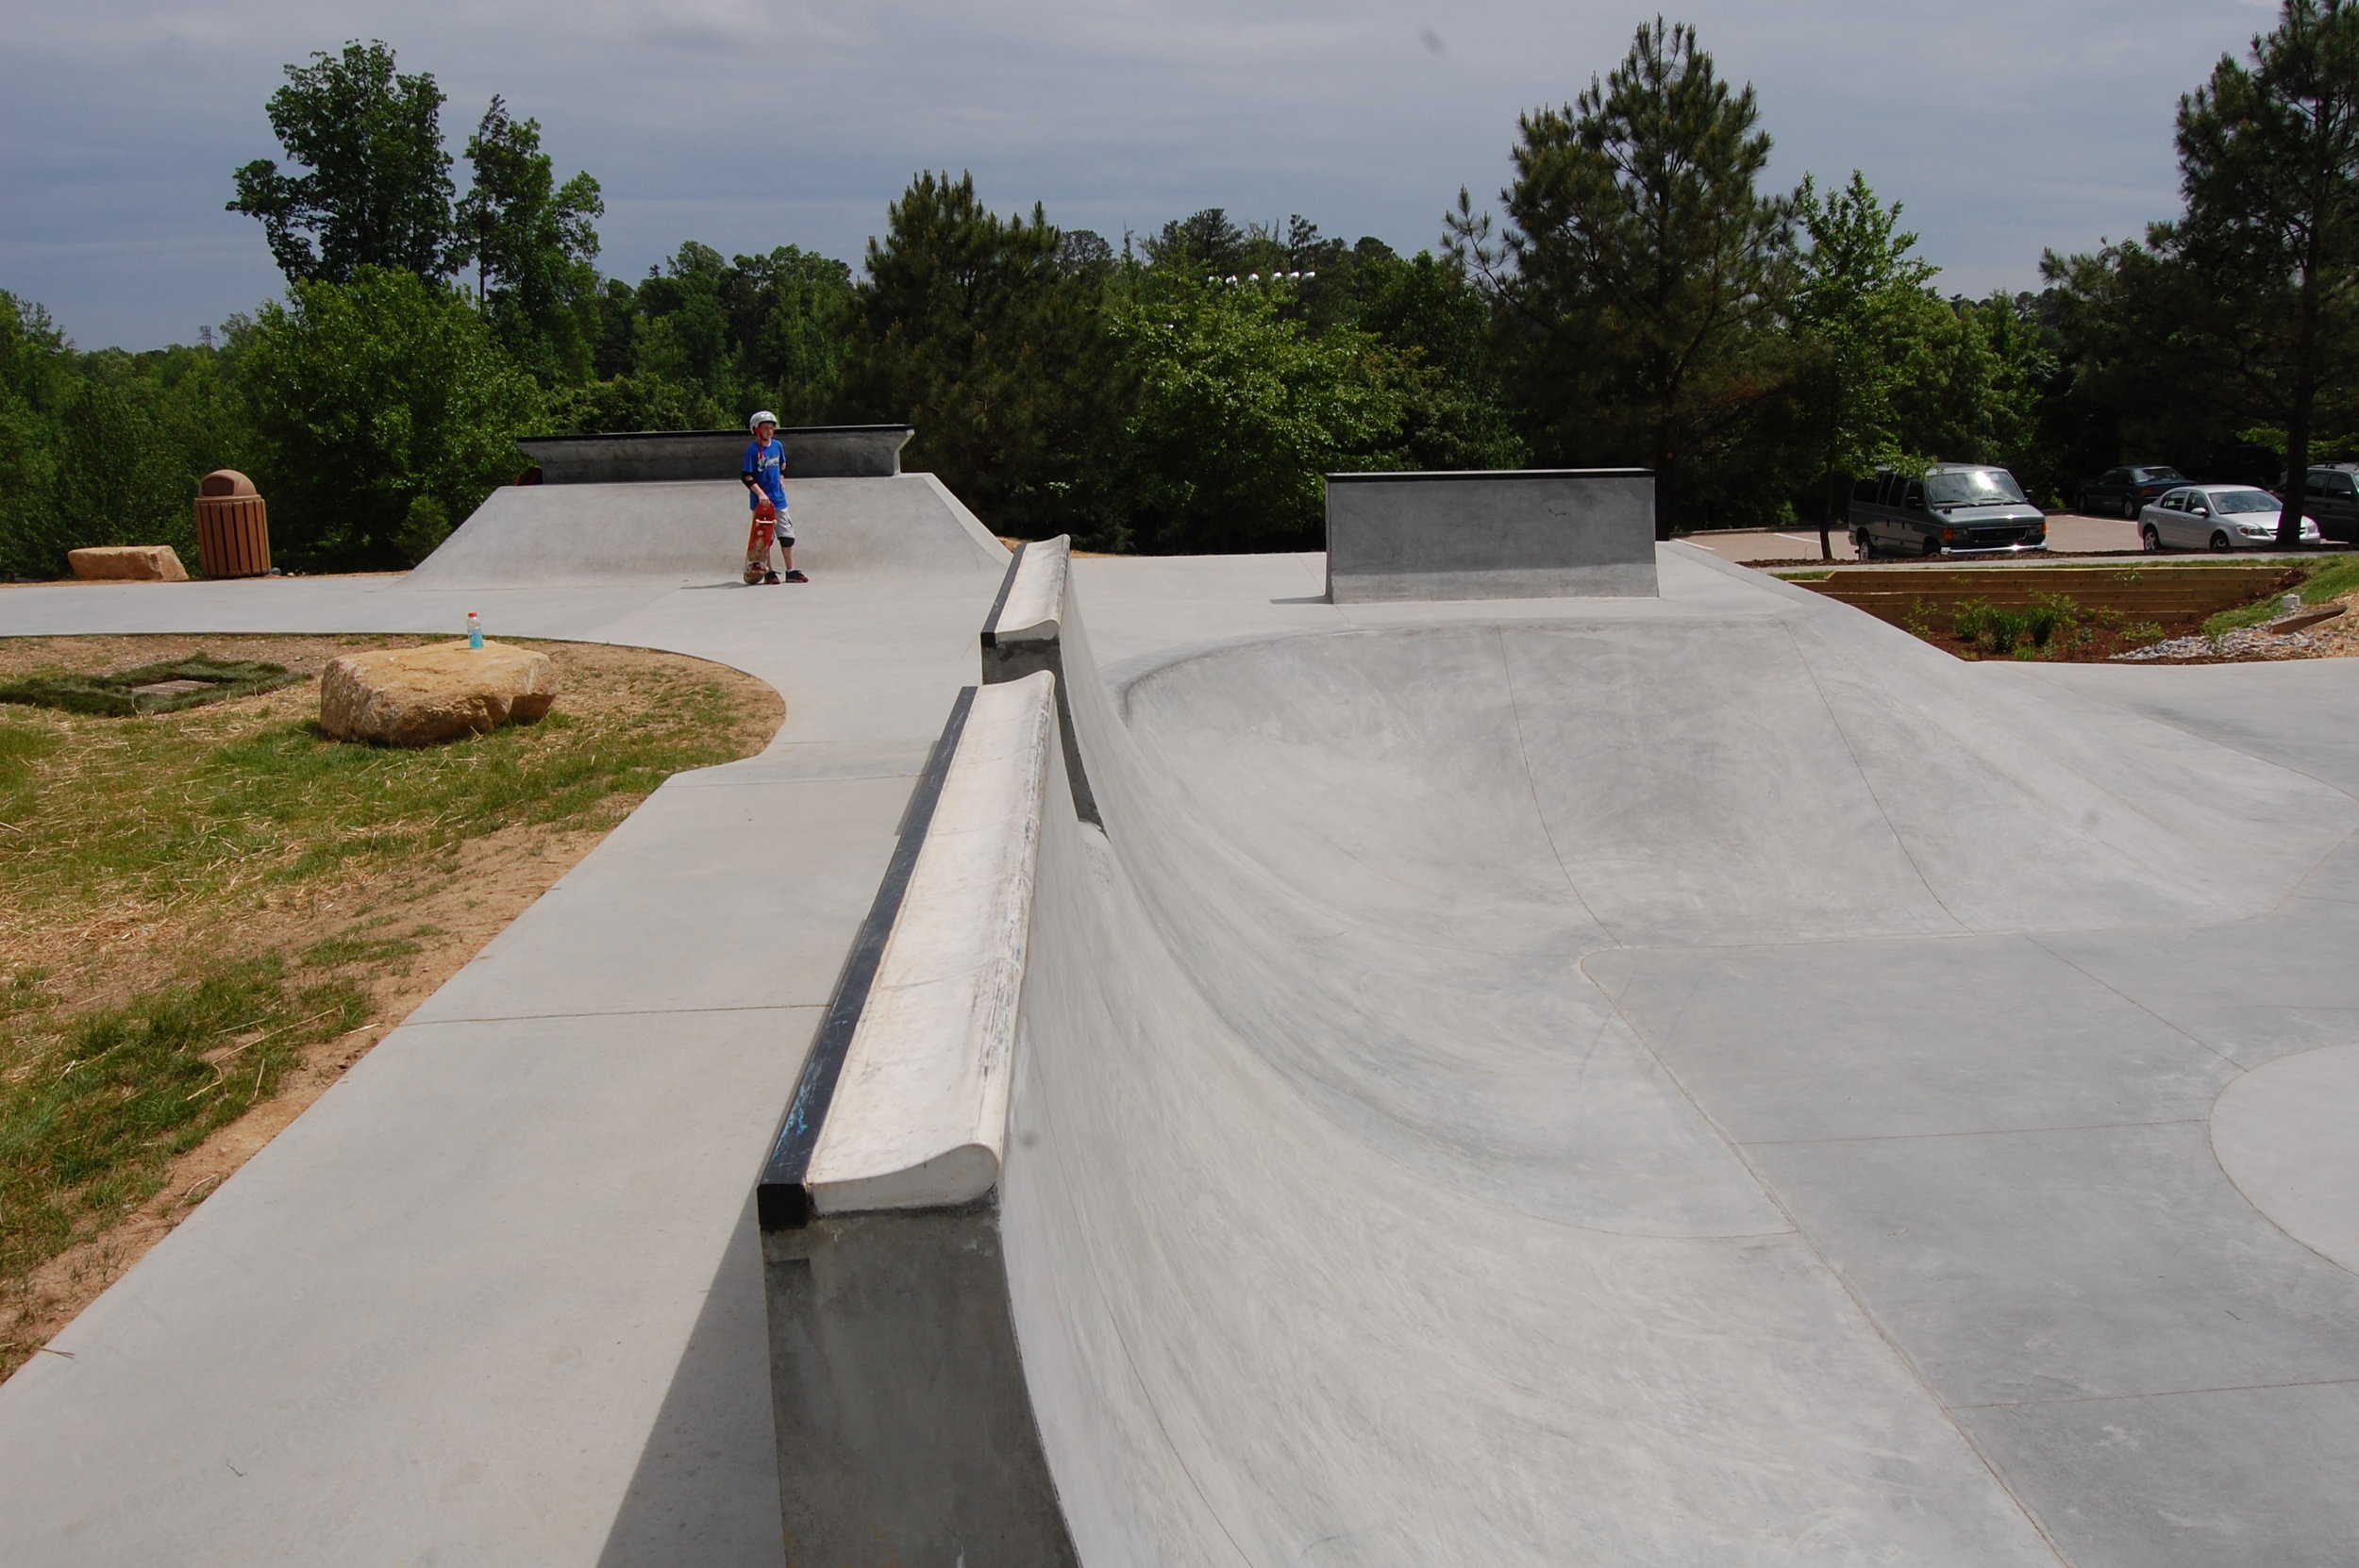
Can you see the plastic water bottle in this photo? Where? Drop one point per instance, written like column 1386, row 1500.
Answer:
column 475, row 630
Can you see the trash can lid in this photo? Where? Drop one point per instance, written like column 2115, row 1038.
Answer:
column 225, row 481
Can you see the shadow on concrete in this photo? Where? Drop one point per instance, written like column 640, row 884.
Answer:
column 706, row 1488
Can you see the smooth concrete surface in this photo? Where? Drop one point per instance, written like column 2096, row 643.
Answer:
column 1476, row 1102
column 1512, row 534
column 496, row 1298
column 1665, row 1082
column 693, row 531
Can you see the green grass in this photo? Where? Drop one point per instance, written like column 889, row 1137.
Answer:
column 2325, row 581
column 189, row 808
column 91, row 1111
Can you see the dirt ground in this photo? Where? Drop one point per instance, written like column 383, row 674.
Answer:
column 457, row 905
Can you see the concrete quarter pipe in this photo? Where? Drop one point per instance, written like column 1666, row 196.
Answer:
column 1618, row 1086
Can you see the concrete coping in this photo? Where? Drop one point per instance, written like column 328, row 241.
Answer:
column 1031, row 597
column 904, row 1099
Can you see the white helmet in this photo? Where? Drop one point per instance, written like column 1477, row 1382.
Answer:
column 762, row 417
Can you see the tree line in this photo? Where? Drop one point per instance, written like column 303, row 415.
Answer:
column 1639, row 295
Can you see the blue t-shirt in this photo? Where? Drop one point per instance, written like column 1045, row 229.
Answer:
column 763, row 460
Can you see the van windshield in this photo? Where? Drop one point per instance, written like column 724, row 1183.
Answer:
column 1976, row 487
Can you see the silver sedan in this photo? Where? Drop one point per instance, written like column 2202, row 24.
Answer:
column 2215, row 517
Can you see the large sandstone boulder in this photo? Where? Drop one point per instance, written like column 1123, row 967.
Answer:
column 129, row 564
column 418, row 696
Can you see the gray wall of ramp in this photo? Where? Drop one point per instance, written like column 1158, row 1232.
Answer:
column 1345, row 1219
column 694, row 532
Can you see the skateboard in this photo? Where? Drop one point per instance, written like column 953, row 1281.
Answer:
column 758, row 542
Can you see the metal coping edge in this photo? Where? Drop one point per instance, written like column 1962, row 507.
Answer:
column 1396, row 477
column 1006, row 586
column 782, row 1202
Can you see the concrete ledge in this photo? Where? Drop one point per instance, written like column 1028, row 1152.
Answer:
column 813, row 452
column 905, row 1432
column 1031, row 599
column 1025, row 632
column 920, row 1114
column 1515, row 534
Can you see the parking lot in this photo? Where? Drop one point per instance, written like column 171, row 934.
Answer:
column 2067, row 533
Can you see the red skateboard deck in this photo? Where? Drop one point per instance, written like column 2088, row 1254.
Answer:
column 758, row 540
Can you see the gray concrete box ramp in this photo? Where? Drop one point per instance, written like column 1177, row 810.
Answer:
column 1371, row 1195
column 693, row 531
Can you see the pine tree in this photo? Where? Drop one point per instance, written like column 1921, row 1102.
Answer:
column 1643, row 273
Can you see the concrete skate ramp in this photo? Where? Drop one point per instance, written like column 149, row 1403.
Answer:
column 1346, row 1220
column 668, row 533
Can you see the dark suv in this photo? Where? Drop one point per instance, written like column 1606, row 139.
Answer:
column 2126, row 492
column 2331, row 496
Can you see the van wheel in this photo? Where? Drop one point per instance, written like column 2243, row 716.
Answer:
column 2149, row 540
column 1863, row 546
column 2219, row 543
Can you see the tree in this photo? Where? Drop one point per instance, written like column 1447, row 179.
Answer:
column 365, row 397
column 1643, row 273
column 970, row 326
column 1859, row 312
column 2268, row 160
column 534, row 242
column 1241, row 411
column 379, row 190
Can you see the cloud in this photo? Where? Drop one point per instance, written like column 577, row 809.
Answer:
column 747, row 124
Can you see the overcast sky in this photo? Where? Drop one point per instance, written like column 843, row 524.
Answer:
column 2004, row 126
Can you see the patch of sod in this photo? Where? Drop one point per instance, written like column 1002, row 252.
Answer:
column 114, row 696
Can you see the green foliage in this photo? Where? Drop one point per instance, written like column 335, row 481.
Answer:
column 2259, row 281
column 1863, row 316
column 2050, row 624
column 377, row 192
column 103, row 448
column 969, row 327
column 533, row 245
column 1240, row 410
column 426, row 526
column 627, row 403
column 1650, row 271
column 365, row 395
column 114, row 697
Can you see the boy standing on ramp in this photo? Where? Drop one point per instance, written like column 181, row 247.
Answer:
column 765, row 491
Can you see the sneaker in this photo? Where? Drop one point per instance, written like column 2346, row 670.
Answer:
column 793, row 577
column 769, row 576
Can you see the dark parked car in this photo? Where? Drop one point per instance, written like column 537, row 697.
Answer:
column 2123, row 491
column 1955, row 510
column 2331, row 496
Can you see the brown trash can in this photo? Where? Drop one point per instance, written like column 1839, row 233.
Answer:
column 232, row 528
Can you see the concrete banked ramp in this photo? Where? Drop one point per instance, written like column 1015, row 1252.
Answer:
column 1345, row 1217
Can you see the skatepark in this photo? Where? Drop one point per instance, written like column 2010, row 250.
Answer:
column 1635, row 1077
